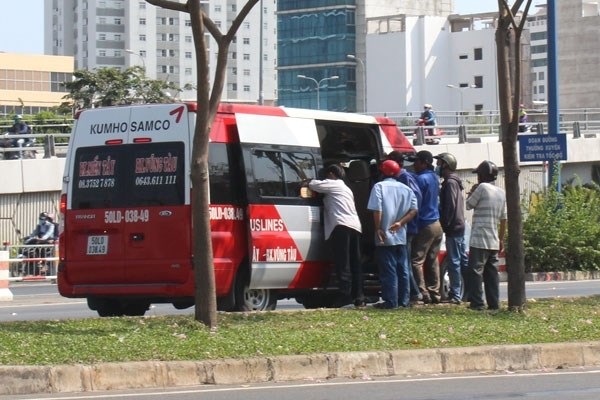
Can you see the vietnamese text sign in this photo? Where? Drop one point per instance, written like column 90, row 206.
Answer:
column 543, row 147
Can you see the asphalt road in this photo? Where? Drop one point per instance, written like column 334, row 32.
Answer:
column 41, row 301
column 575, row 384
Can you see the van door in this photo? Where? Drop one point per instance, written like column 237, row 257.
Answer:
column 286, row 240
column 95, row 180
column 157, row 216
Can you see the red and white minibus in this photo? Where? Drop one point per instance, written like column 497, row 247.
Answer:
column 127, row 236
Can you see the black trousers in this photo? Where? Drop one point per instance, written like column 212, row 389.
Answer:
column 345, row 244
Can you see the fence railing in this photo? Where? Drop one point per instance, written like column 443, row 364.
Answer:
column 32, row 262
column 40, row 145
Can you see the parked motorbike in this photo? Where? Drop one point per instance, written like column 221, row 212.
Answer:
column 20, row 148
column 432, row 134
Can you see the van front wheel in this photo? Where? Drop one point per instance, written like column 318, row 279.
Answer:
column 248, row 299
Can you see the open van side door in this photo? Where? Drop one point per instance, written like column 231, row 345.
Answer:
column 286, row 240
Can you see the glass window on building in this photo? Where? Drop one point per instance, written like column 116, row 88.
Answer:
column 142, row 21
column 188, row 54
column 142, row 38
column 541, row 75
column 246, row 56
column 478, row 81
column 246, row 40
column 142, row 5
column 478, row 53
column 246, row 88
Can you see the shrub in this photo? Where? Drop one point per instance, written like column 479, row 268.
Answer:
column 562, row 231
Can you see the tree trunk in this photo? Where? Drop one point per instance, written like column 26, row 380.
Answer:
column 204, row 272
column 509, row 83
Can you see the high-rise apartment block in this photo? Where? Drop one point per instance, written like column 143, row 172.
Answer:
column 124, row 33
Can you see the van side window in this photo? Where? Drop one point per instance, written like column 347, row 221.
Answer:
column 227, row 180
column 280, row 174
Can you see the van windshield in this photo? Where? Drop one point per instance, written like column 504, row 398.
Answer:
column 131, row 175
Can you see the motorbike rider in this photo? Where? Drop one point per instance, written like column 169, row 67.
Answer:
column 19, row 127
column 43, row 232
column 10, row 141
column 428, row 117
column 523, row 127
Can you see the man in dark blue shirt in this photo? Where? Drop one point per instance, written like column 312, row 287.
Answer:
column 427, row 242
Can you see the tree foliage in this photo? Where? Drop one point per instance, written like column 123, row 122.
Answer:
column 562, row 232
column 110, row 87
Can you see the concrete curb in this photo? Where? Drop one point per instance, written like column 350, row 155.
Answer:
column 161, row 374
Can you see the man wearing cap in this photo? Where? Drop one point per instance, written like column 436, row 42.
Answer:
column 452, row 220
column 426, row 245
column 393, row 204
column 488, row 225
column 409, row 179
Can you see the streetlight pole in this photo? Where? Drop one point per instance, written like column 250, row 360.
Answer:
column 139, row 55
column 318, row 83
column 364, row 78
column 461, row 90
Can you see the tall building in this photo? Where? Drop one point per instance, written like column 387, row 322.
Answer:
column 537, row 24
column 124, row 33
column 578, row 53
column 315, row 40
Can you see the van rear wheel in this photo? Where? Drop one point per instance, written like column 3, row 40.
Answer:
column 247, row 299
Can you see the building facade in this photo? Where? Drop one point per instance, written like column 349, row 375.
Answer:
column 124, row 33
column 323, row 60
column 32, row 83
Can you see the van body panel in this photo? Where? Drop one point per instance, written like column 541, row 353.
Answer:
column 128, row 218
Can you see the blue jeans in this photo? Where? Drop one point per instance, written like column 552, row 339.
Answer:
column 394, row 275
column 456, row 250
column 415, row 294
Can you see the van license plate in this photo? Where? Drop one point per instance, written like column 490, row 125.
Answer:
column 97, row 245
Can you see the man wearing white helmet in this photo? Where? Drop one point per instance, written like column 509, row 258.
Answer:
column 19, row 127
column 428, row 117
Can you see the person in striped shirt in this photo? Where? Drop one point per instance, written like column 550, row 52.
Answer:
column 488, row 226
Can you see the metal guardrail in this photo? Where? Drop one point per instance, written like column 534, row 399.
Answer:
column 32, row 262
column 44, row 145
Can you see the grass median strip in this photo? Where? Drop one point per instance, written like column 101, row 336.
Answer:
column 295, row 332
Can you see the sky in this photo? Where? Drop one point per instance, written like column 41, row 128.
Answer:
column 22, row 27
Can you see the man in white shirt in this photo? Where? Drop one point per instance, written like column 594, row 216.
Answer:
column 342, row 229
column 488, row 203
